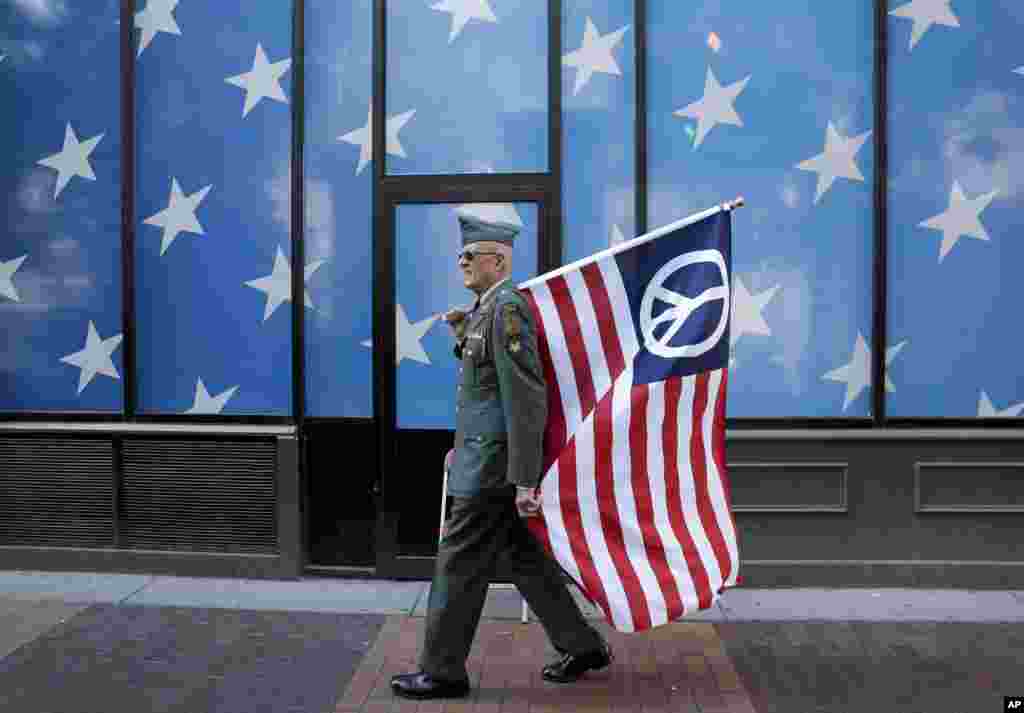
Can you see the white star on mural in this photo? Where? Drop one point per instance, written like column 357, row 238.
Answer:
column 157, row 17
column 961, row 218
column 617, row 236
column 7, row 270
column 837, row 160
column 363, row 138
column 264, row 80
column 73, row 159
column 926, row 13
column 491, row 213
column 987, row 410
column 408, row 336
column 206, row 404
column 746, row 315
column 595, row 55
column 95, row 357
column 857, row 373
column 179, row 215
column 715, row 107
column 278, row 284
column 463, row 11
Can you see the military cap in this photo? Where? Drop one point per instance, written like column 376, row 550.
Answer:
column 475, row 229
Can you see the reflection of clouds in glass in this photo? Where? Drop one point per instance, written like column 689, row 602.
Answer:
column 518, row 91
column 670, row 204
column 279, row 191
column 789, row 315
column 789, row 192
column 982, row 149
column 63, row 248
column 320, row 238
column 982, row 143
column 35, row 194
column 42, row 12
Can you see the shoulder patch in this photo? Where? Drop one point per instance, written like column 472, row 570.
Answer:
column 512, row 321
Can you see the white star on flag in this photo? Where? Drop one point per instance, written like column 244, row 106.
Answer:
column 926, row 13
column 7, row 270
column 595, row 55
column 157, row 17
column 857, row 372
column 73, row 159
column 363, row 138
column 961, row 218
column 1019, row 70
column 463, row 11
column 408, row 336
column 715, row 107
column 491, row 213
column 264, row 80
column 837, row 160
column 987, row 410
column 3, row 57
column 206, row 404
column 746, row 315
column 179, row 215
column 278, row 284
column 95, row 357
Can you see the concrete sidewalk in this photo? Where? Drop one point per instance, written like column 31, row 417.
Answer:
column 355, row 596
column 107, row 643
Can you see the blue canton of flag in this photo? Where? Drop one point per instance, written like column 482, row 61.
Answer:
column 678, row 288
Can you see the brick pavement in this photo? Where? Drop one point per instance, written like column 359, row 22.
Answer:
column 681, row 667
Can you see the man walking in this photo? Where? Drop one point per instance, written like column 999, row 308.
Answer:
column 501, row 408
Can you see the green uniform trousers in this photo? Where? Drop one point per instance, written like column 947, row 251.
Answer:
column 484, row 537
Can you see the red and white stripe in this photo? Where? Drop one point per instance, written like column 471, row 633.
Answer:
column 635, row 496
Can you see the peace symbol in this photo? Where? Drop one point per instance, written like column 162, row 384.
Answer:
column 683, row 307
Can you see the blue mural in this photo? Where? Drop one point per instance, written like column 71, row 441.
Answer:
column 213, row 208
column 956, row 196
column 339, row 208
column 467, row 87
column 60, row 188
column 598, row 126
column 773, row 101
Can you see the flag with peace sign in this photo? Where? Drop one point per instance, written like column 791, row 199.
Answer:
column 634, row 342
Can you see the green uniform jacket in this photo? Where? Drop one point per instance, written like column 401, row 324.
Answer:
column 501, row 404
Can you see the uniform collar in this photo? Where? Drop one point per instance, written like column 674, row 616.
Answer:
column 491, row 291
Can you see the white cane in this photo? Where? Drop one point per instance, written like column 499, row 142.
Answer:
column 525, row 617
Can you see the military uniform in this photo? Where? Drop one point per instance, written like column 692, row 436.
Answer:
column 500, row 416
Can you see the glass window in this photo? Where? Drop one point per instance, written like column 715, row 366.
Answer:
column 427, row 284
column 60, row 187
column 339, row 209
column 213, row 208
column 773, row 101
column 956, row 196
column 598, row 126
column 467, row 87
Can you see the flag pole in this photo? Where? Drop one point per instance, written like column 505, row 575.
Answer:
column 626, row 245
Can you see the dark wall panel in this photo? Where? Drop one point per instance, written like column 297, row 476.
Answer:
column 56, row 492
column 199, row 495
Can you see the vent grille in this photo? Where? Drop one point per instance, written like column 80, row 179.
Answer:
column 199, row 496
column 56, row 492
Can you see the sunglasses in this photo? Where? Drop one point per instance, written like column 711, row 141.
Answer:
column 470, row 255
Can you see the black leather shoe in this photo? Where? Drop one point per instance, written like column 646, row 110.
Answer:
column 571, row 667
column 423, row 686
